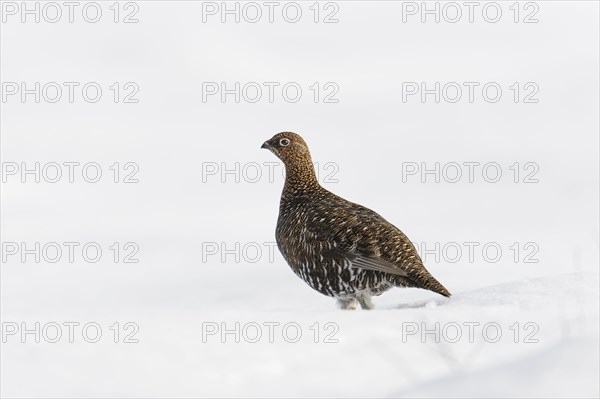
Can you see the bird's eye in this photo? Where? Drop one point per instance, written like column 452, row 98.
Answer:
column 284, row 142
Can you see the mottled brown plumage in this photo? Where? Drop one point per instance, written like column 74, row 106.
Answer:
column 339, row 248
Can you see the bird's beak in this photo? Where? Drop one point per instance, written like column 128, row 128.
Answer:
column 265, row 145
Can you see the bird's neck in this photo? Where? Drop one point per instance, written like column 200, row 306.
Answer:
column 300, row 176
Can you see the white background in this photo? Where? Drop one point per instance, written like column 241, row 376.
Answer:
column 369, row 135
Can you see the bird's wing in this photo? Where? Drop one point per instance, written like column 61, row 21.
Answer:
column 367, row 241
column 375, row 264
column 360, row 241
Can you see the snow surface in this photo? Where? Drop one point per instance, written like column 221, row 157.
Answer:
column 372, row 358
column 176, row 290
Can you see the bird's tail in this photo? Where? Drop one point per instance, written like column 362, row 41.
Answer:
column 423, row 279
column 440, row 289
column 430, row 283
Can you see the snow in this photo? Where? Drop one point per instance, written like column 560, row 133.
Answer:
column 372, row 353
column 541, row 293
column 545, row 373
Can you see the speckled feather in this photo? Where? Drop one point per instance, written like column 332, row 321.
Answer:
column 339, row 248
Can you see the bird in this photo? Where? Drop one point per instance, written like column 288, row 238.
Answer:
column 340, row 249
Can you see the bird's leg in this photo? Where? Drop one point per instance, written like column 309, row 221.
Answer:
column 365, row 301
column 347, row 303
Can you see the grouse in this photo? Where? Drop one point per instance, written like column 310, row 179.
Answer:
column 339, row 248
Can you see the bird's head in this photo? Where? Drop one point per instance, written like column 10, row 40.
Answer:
column 289, row 147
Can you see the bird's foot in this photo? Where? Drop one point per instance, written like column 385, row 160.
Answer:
column 347, row 303
column 365, row 301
